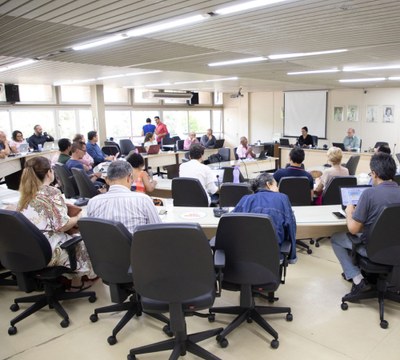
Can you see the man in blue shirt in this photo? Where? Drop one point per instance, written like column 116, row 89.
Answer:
column 351, row 142
column 94, row 150
column 148, row 128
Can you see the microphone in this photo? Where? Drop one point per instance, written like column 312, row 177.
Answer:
column 219, row 211
column 45, row 133
column 245, row 168
column 394, row 148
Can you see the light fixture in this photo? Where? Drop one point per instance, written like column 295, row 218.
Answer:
column 245, row 6
column 362, row 80
column 17, row 65
column 394, row 78
column 386, row 67
column 223, row 79
column 238, row 61
column 144, row 73
column 144, row 30
column 166, row 95
column 188, row 82
column 104, row 41
column 314, row 53
column 110, row 77
column 313, row 72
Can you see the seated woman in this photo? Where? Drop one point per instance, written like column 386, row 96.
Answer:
column 149, row 139
column 335, row 158
column 141, row 179
column 268, row 200
column 191, row 139
column 44, row 206
column 17, row 140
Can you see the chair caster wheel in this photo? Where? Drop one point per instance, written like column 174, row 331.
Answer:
column 222, row 341
column 94, row 318
column 249, row 320
column 289, row 317
column 211, row 318
column 92, row 299
column 312, row 242
column 344, row 306
column 167, row 331
column 14, row 307
column 275, row 344
column 12, row 330
column 317, row 244
column 112, row 340
column 309, row 251
column 64, row 323
column 384, row 324
column 131, row 357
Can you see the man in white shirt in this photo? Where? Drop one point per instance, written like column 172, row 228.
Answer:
column 120, row 203
column 195, row 169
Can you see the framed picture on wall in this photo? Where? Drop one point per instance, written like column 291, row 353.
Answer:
column 338, row 113
column 372, row 113
column 352, row 113
column 388, row 113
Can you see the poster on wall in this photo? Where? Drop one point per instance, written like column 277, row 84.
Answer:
column 338, row 113
column 372, row 113
column 388, row 113
column 352, row 113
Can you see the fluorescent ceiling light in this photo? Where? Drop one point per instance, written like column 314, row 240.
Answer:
column 110, row 77
column 223, row 79
column 293, row 55
column 166, row 95
column 394, row 78
column 349, row 68
column 313, row 72
column 107, row 40
column 239, row 61
column 17, row 65
column 72, row 82
column 144, row 73
column 188, row 82
column 165, row 26
column 362, row 80
column 246, row 6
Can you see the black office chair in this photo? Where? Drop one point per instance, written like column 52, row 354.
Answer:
column 67, row 181
column 230, row 193
column 315, row 140
column 110, row 150
column 360, row 145
column 235, row 154
column 173, row 272
column 112, row 143
column 380, row 143
column 188, row 192
column 252, row 255
column 179, row 144
column 108, row 244
column 86, row 188
column 382, row 266
column 352, row 164
column 26, row 252
column 6, row 277
column 397, row 179
column 172, row 171
column 126, row 146
column 228, row 175
column 297, row 188
column 225, row 153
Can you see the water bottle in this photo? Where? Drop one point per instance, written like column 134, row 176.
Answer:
column 40, row 147
column 236, row 173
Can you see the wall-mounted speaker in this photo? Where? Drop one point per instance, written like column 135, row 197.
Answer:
column 12, row 93
column 194, row 100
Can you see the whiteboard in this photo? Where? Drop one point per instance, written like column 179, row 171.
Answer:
column 305, row 108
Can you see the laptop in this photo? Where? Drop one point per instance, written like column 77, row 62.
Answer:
column 219, row 143
column 263, row 155
column 23, row 148
column 351, row 194
column 339, row 145
column 48, row 146
column 284, row 142
column 153, row 149
column 141, row 149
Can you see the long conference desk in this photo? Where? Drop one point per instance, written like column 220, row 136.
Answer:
column 315, row 158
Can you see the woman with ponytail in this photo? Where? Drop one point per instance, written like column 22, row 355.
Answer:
column 268, row 200
column 44, row 206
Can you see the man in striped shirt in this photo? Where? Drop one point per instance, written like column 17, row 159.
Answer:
column 120, row 203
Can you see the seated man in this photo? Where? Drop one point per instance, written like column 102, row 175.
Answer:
column 296, row 157
column 4, row 146
column 64, row 145
column 195, row 169
column 244, row 151
column 208, row 140
column 267, row 200
column 351, row 142
column 94, row 150
column 39, row 138
column 131, row 208
column 360, row 218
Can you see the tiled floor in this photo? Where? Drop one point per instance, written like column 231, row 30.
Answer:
column 320, row 329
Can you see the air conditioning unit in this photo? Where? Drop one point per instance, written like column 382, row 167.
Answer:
column 167, row 95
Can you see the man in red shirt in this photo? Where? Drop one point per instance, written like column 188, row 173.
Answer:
column 161, row 129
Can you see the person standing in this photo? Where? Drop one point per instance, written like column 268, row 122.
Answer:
column 208, row 140
column 351, row 142
column 148, row 128
column 244, row 151
column 161, row 130
column 305, row 140
column 38, row 138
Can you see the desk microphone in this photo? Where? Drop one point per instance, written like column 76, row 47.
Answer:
column 394, row 148
column 245, row 168
column 219, row 211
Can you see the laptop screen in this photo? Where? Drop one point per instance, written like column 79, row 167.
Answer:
column 351, row 194
column 339, row 145
column 284, row 142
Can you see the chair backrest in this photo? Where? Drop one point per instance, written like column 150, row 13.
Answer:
column 360, row 145
column 379, row 143
column 235, row 154
column 352, row 164
column 108, row 244
column 383, row 245
column 228, row 175
column 315, row 140
column 188, row 192
column 85, row 186
column 110, row 150
column 219, row 143
column 225, row 153
column 172, row 262
column 397, row 178
column 297, row 188
column 112, row 143
column 126, row 146
column 331, row 193
column 179, row 144
column 230, row 193
column 172, row 171
column 251, row 249
column 67, row 181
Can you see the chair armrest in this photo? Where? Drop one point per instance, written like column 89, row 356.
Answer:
column 69, row 246
column 212, row 242
column 219, row 263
